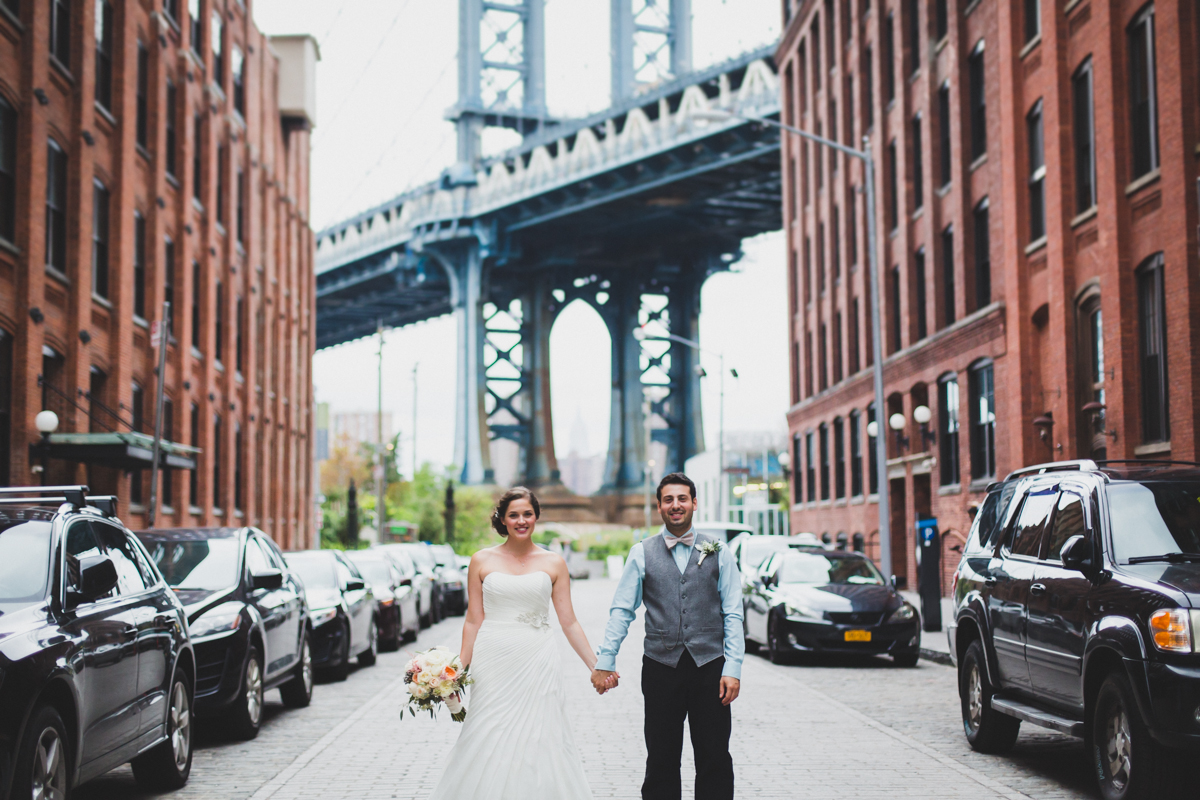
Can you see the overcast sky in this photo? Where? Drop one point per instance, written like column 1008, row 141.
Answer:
column 387, row 74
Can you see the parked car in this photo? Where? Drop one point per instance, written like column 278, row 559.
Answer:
column 96, row 669
column 829, row 602
column 395, row 600
column 247, row 618
column 453, row 579
column 423, row 581
column 422, row 555
column 1077, row 608
column 723, row 531
column 342, row 609
column 751, row 550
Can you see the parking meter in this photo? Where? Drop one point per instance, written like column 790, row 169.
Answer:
column 929, row 573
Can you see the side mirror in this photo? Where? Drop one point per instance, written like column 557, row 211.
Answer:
column 406, row 581
column 355, row 585
column 895, row 583
column 1077, row 553
column 267, row 579
column 97, row 577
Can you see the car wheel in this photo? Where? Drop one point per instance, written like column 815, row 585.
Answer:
column 987, row 730
column 423, row 620
column 774, row 646
column 297, row 693
column 906, row 659
column 43, row 762
column 167, row 766
column 245, row 717
column 392, row 643
column 368, row 657
column 1129, row 765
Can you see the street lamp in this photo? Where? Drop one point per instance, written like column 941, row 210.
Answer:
column 46, row 423
column 864, row 155
column 640, row 334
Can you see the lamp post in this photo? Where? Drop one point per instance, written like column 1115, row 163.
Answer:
column 864, row 155
column 46, row 423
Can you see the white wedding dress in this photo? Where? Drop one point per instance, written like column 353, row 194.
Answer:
column 516, row 743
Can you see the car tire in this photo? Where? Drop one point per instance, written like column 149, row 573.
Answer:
column 1127, row 762
column 775, row 650
column 392, row 643
column 906, row 659
column 340, row 671
column 423, row 620
column 245, row 718
column 45, row 755
column 368, row 657
column 297, row 693
column 167, row 766
column 987, row 730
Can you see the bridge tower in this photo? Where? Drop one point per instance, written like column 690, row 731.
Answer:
column 651, row 43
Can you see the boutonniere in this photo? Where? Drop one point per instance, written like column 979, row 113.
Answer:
column 707, row 549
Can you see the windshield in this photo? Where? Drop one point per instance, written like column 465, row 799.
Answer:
column 756, row 549
column 205, row 565
column 317, row 573
column 1152, row 519
column 445, row 555
column 376, row 572
column 421, row 554
column 823, row 570
column 24, row 557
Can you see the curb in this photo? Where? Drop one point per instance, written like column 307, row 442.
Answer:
column 937, row 657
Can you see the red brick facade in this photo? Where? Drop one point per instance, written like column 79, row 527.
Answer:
column 1115, row 208
column 234, row 252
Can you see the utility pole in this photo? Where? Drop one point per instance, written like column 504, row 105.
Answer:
column 381, row 450
column 163, row 336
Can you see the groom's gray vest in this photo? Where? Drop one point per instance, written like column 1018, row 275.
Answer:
column 682, row 610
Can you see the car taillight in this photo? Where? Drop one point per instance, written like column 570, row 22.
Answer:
column 1172, row 630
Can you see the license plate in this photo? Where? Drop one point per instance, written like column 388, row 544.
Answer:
column 858, row 636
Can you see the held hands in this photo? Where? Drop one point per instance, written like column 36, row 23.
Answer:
column 729, row 689
column 603, row 680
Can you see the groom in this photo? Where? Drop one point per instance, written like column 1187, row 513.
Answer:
column 692, row 662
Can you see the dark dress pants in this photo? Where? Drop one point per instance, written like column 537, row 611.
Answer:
column 671, row 694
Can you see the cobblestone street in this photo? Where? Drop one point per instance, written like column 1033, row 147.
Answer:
column 855, row 729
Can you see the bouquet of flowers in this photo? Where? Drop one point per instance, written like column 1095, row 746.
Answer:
column 434, row 677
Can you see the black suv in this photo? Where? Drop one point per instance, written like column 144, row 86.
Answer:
column 95, row 664
column 1077, row 608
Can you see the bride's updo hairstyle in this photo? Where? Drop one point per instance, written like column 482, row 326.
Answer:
column 515, row 493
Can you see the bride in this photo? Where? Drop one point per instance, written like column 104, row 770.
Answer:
column 516, row 743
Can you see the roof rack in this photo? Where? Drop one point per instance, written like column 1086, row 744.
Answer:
column 1078, row 465
column 75, row 495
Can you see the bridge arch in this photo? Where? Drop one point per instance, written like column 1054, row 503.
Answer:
column 581, row 393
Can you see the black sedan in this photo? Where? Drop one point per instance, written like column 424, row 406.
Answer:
column 395, row 600
column 95, row 665
column 831, row 602
column 247, row 617
column 452, row 577
column 342, row 608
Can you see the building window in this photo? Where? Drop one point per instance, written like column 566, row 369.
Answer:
column 856, row 461
column 194, row 27
column 193, row 475
column 168, row 425
column 172, row 140
column 869, row 87
column 139, row 265
column 922, row 305
column 872, row 454
column 1091, row 369
column 1033, row 20
column 835, row 246
column 818, row 169
column 913, row 34
column 197, row 156
column 802, row 65
column 241, row 206
column 100, row 237
column 8, row 171
column 978, row 100
column 795, row 372
column 56, row 207
column 1152, row 330
column 142, row 122
column 6, row 386
column 219, row 324
column 943, row 100
column 1037, row 173
column 948, row 430
column 104, row 53
column 222, row 167
column 237, row 62
column 808, row 364
column 171, row 9
column 918, row 167
column 941, row 19
column 852, row 337
column 239, row 452
column 1085, row 137
column 822, row 358
column 1142, row 93
column 889, row 56
column 895, row 310
column 821, row 258
column 983, row 255
column 216, row 463
column 982, row 399
column 816, row 53
column 893, row 187
column 197, row 290
column 839, row 458
column 807, row 270
column 823, row 433
column 810, row 466
column 238, row 339
column 60, row 32
column 797, row 483
column 852, row 227
column 837, row 347
column 830, row 40
column 218, row 53
column 169, row 281
column 97, row 398
column 948, row 274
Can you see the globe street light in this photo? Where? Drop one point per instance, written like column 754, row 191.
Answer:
column 864, row 155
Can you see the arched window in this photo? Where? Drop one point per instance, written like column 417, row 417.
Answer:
column 843, row 541
column 858, row 543
column 948, row 406
column 982, row 409
column 1090, row 368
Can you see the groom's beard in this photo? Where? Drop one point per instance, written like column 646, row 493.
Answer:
column 683, row 527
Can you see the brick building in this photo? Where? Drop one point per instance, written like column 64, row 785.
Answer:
column 1037, row 209
column 151, row 151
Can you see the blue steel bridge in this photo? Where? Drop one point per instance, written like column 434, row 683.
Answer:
column 629, row 210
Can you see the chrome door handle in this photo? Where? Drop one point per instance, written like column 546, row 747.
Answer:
column 1037, row 588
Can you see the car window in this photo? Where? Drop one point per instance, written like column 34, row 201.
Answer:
column 1068, row 521
column 201, row 564
column 314, row 571
column 404, row 563
column 343, row 572
column 82, row 542
column 25, row 536
column 1152, row 519
column 271, row 551
column 826, row 569
column 129, row 574
column 256, row 560
column 1026, row 536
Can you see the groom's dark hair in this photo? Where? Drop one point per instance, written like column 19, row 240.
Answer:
column 675, row 479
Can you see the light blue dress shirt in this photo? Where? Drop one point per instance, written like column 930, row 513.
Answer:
column 629, row 596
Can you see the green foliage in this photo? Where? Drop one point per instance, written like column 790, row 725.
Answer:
column 605, row 543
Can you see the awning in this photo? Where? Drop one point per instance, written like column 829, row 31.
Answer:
column 126, row 451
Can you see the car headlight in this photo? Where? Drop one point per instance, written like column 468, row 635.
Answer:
column 219, row 619
column 322, row 615
column 1172, row 630
column 803, row 613
column 903, row 614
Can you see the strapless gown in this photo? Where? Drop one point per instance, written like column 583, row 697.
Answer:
column 516, row 742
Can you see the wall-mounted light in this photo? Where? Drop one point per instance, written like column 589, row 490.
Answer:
column 1095, row 410
column 897, row 423
column 46, row 423
column 1044, row 425
column 922, row 415
column 872, row 429
column 785, row 463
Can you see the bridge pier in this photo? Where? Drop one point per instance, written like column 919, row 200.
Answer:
column 539, row 463
column 623, row 472
column 682, row 408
